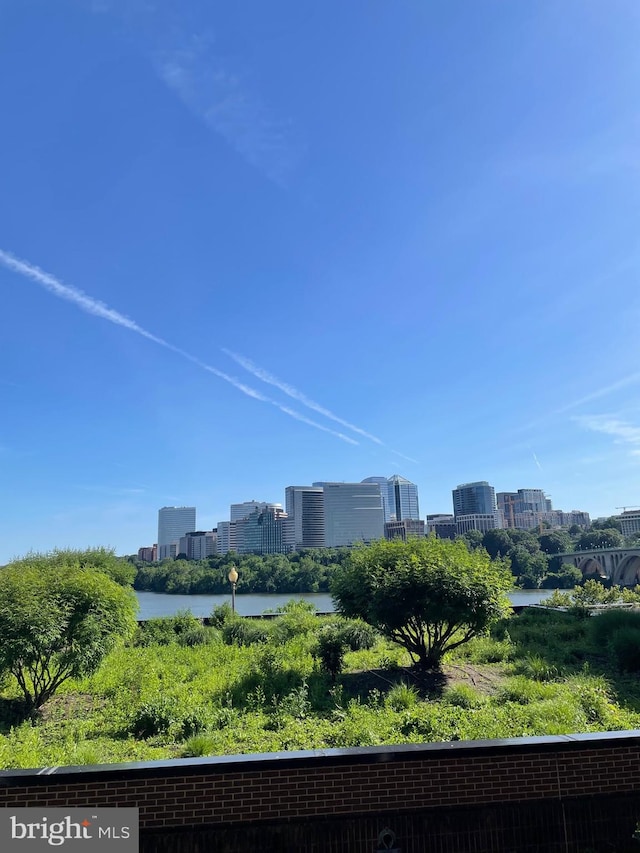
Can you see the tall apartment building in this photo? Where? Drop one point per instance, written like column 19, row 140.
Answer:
column 475, row 507
column 304, row 506
column 523, row 509
column 353, row 512
column 173, row 522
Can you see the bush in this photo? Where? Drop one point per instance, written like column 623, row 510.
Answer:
column 625, row 647
column 196, row 636
column 357, row 635
column 221, row 614
column 154, row 718
column 244, row 632
column 297, row 618
column 330, row 651
column 604, row 625
column 168, row 629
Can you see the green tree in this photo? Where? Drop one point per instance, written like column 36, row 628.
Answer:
column 611, row 523
column 555, row 542
column 428, row 595
column 58, row 620
column 607, row 538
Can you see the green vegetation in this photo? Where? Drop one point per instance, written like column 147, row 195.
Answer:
column 60, row 615
column 543, row 672
column 428, row 595
column 81, row 687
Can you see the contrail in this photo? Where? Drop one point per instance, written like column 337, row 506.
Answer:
column 537, row 461
column 292, row 392
column 99, row 309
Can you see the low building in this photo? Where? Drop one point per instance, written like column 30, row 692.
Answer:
column 405, row 529
column 198, row 545
column 442, row 525
column 478, row 521
column 148, row 554
column 630, row 522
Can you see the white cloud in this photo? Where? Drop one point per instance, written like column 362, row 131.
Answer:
column 623, row 432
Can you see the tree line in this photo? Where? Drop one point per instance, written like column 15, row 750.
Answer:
column 532, row 556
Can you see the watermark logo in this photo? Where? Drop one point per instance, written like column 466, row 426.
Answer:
column 35, row 830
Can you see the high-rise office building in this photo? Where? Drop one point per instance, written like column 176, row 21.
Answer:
column 403, row 499
column 352, row 513
column 174, row 522
column 383, row 482
column 244, row 510
column 399, row 497
column 263, row 531
column 226, row 537
column 305, row 509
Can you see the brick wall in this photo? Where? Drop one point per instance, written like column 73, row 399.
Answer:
column 383, row 782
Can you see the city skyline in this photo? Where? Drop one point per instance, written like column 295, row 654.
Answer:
column 236, row 254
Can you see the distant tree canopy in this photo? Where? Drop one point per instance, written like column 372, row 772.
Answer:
column 60, row 614
column 428, row 595
column 308, row 570
column 599, row 538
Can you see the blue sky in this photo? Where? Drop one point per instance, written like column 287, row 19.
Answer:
column 422, row 216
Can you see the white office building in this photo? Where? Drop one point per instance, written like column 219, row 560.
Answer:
column 353, row 512
column 174, row 522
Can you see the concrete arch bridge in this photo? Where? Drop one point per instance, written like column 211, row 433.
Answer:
column 620, row 565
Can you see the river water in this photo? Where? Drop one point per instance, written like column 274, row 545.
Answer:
column 154, row 604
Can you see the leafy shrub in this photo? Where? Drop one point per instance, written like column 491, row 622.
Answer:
column 196, row 636
column 244, row 632
column 357, row 635
column 463, row 696
column 402, row 697
column 167, row 629
column 194, row 721
column 625, row 647
column 154, row 718
column 298, row 618
column 221, row 614
column 604, row 625
column 330, row 650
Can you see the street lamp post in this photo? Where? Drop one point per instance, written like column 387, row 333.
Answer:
column 233, row 580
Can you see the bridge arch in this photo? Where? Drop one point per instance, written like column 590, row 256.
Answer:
column 628, row 572
column 591, row 568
